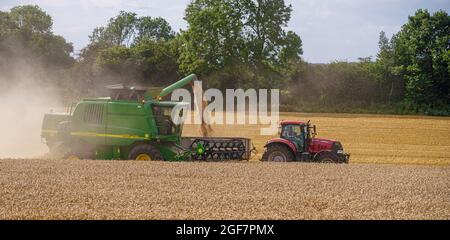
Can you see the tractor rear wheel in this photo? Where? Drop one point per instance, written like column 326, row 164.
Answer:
column 145, row 152
column 278, row 153
column 327, row 157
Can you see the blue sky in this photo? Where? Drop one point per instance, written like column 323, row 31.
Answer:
column 330, row 29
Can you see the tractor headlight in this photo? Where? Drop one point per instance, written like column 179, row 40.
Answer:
column 340, row 151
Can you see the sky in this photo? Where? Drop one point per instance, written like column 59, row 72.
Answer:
column 330, row 29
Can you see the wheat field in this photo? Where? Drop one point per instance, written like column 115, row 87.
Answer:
column 93, row 189
column 414, row 184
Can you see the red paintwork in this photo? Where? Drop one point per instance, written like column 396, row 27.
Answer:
column 284, row 122
column 316, row 145
column 284, row 141
column 320, row 144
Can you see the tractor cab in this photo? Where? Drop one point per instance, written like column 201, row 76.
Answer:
column 298, row 142
column 298, row 133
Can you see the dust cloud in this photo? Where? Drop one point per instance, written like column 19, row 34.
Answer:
column 25, row 95
column 22, row 108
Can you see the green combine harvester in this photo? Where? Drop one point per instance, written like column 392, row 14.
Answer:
column 133, row 124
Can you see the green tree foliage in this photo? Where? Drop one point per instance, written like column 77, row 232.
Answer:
column 421, row 50
column 389, row 84
column 119, row 31
column 214, row 37
column 240, row 44
column 230, row 37
column 31, row 19
column 131, row 49
column 416, row 61
column 263, row 29
column 27, row 44
column 410, row 73
column 28, row 29
column 292, row 49
column 127, row 29
column 156, row 29
column 6, row 25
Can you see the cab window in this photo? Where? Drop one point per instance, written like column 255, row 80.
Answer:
column 290, row 131
column 163, row 120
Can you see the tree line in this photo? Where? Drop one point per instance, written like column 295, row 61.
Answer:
column 237, row 44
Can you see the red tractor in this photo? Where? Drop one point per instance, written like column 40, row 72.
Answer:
column 297, row 142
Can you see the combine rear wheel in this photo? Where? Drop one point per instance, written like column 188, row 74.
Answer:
column 145, row 152
column 278, row 153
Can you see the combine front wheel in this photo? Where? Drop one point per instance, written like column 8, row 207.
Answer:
column 145, row 152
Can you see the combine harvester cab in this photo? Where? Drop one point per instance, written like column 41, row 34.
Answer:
column 132, row 124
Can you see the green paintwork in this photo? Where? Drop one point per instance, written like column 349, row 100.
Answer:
column 50, row 125
column 179, row 84
column 112, row 127
column 200, row 149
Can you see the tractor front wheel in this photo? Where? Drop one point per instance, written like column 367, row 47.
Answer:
column 145, row 152
column 327, row 157
column 278, row 153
